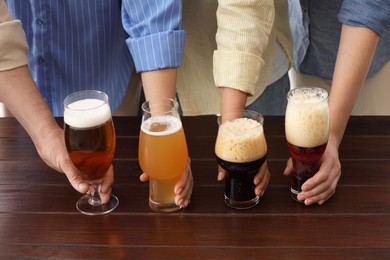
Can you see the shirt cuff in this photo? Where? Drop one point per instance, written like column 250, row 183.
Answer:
column 237, row 70
column 371, row 14
column 13, row 45
column 157, row 51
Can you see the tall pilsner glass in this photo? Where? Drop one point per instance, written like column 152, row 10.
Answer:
column 241, row 150
column 307, row 131
column 90, row 141
column 163, row 154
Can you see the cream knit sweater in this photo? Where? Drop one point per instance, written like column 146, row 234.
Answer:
column 229, row 43
column 13, row 44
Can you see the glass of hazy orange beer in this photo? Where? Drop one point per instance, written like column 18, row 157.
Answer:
column 241, row 150
column 90, row 142
column 162, row 151
column 307, row 131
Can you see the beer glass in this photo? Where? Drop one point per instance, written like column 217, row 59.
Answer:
column 162, row 151
column 241, row 150
column 307, row 130
column 90, row 142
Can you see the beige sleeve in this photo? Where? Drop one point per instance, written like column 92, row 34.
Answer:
column 244, row 28
column 13, row 44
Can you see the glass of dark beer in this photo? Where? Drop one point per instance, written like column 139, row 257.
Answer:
column 241, row 150
column 90, row 142
column 307, row 131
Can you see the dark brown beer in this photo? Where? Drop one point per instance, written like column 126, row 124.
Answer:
column 91, row 149
column 239, row 180
column 241, row 150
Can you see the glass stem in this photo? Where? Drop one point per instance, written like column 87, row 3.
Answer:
column 94, row 199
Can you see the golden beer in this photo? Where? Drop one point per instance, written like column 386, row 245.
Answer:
column 163, row 156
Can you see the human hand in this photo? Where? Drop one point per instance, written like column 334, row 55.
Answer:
column 52, row 150
column 261, row 179
column 183, row 188
column 322, row 185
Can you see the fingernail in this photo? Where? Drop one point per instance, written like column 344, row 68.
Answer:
column 180, row 202
column 83, row 186
column 220, row 176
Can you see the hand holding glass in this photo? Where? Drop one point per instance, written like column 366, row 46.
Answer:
column 241, row 150
column 307, row 130
column 163, row 153
column 90, row 141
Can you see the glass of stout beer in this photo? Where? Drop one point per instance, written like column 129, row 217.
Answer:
column 90, row 141
column 162, row 151
column 241, row 150
column 307, row 130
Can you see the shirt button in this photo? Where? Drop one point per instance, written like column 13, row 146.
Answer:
column 41, row 60
column 40, row 21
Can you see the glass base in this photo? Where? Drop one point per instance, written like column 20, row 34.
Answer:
column 163, row 207
column 294, row 195
column 86, row 208
column 242, row 204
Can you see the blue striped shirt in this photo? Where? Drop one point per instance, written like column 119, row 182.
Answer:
column 82, row 44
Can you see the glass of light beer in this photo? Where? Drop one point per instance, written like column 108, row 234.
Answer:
column 90, row 142
column 307, row 131
column 241, row 150
column 162, row 151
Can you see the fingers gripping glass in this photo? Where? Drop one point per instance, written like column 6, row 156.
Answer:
column 307, row 131
column 163, row 153
column 90, row 142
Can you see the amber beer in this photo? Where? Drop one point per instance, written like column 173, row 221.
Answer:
column 163, row 156
column 307, row 130
column 241, row 150
column 90, row 137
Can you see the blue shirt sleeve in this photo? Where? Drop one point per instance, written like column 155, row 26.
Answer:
column 372, row 14
column 156, row 39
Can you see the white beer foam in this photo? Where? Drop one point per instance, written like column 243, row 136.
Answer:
column 87, row 113
column 172, row 124
column 241, row 140
column 307, row 123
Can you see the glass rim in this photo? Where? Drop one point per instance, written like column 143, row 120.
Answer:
column 103, row 94
column 146, row 105
column 243, row 113
column 324, row 92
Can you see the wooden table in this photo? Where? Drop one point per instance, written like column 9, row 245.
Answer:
column 38, row 217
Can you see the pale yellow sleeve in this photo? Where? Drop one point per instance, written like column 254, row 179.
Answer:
column 243, row 31
column 13, row 43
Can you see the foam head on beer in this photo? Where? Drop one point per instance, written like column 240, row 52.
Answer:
column 240, row 140
column 161, row 125
column 307, row 117
column 87, row 113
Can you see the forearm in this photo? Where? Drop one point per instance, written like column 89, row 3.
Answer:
column 21, row 96
column 159, row 83
column 232, row 100
column 356, row 49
